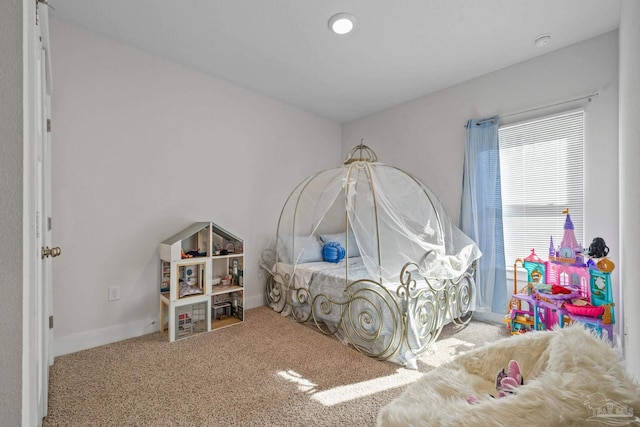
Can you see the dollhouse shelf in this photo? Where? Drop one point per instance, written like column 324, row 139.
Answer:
column 202, row 280
column 224, row 289
column 227, row 321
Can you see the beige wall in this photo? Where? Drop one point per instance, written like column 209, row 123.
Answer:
column 11, row 179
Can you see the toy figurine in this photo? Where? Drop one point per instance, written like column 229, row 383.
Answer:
column 598, row 248
column 510, row 379
column 506, row 382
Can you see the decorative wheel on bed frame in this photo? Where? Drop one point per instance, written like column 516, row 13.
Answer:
column 275, row 292
column 460, row 297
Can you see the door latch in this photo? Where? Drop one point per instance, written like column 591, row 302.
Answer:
column 53, row 252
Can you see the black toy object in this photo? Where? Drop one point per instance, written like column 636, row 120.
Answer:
column 598, row 248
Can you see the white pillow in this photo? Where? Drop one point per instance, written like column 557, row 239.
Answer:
column 342, row 239
column 308, row 248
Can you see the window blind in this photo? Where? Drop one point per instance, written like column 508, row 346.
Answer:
column 542, row 174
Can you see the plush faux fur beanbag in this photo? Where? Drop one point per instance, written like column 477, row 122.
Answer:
column 571, row 378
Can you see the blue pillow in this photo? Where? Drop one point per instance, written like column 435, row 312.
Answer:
column 342, row 239
column 333, row 252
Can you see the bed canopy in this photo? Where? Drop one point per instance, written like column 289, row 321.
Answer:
column 391, row 217
column 406, row 270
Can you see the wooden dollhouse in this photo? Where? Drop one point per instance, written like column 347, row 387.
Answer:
column 562, row 290
column 201, row 280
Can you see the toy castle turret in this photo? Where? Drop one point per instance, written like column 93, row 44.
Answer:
column 570, row 251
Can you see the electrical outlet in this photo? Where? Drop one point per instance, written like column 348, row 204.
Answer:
column 114, row 293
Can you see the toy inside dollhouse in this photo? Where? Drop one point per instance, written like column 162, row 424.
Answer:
column 565, row 288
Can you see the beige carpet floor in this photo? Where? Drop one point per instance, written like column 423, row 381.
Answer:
column 267, row 371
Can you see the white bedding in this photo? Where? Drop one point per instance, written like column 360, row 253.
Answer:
column 325, row 278
column 324, row 272
column 330, row 275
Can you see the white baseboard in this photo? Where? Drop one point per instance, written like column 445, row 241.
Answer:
column 89, row 339
column 254, row 302
column 489, row 317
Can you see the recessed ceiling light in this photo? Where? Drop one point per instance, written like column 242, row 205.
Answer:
column 342, row 23
column 542, row 40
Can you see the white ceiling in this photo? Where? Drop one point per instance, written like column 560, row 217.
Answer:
column 400, row 50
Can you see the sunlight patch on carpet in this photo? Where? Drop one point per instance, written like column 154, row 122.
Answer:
column 445, row 350
column 349, row 392
column 304, row 384
column 345, row 393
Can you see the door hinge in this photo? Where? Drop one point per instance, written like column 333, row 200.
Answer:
column 50, row 322
column 49, row 223
column 46, row 3
column 48, row 125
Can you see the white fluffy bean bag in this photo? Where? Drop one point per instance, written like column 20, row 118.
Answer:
column 571, row 378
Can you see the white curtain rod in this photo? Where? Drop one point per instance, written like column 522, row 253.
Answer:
column 593, row 95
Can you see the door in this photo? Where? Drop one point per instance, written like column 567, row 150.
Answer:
column 42, row 298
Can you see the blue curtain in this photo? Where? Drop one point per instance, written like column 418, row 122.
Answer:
column 481, row 212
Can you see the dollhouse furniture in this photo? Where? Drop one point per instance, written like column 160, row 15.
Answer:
column 572, row 377
column 572, row 290
column 201, row 280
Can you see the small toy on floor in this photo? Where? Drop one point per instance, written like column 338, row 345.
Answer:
column 506, row 381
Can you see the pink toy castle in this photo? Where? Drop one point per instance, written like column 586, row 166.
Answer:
column 562, row 290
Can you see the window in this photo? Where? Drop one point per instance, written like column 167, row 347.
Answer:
column 541, row 167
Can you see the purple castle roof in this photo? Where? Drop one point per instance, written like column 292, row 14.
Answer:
column 569, row 238
column 568, row 224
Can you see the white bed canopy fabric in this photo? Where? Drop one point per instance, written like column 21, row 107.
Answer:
column 393, row 219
